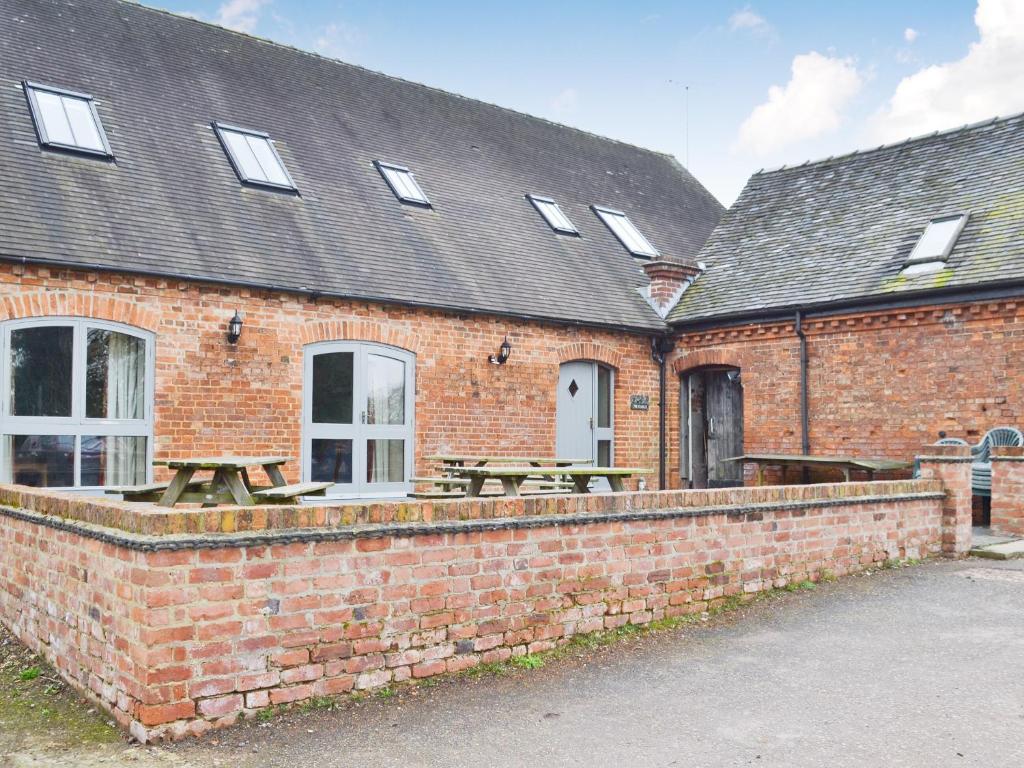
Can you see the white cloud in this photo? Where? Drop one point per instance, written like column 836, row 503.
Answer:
column 240, row 15
column 809, row 105
column 336, row 40
column 747, row 19
column 565, row 102
column 987, row 81
column 910, row 34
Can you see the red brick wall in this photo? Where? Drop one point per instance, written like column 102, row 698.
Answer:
column 1008, row 490
column 214, row 397
column 880, row 384
column 176, row 642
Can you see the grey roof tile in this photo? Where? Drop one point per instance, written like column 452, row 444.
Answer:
column 171, row 203
column 840, row 230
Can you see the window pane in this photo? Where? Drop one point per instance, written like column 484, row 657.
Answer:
column 44, row 461
column 272, row 170
column 385, row 390
column 83, row 125
column 41, row 371
column 115, row 376
column 385, row 461
column 332, row 388
column 55, row 122
column 119, row 460
column 243, row 156
column 604, row 453
column 604, row 397
column 937, row 239
column 331, row 461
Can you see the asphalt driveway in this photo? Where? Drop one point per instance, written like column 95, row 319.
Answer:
column 920, row 666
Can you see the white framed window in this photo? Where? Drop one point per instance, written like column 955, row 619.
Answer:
column 626, row 232
column 553, row 215
column 76, row 409
column 938, row 239
column 254, row 157
column 66, row 120
column 402, row 183
column 358, row 421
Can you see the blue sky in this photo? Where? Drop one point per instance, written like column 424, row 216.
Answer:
column 769, row 82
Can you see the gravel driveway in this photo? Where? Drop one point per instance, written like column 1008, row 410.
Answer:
column 920, row 666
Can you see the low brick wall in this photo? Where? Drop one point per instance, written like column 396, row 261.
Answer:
column 176, row 633
column 1008, row 490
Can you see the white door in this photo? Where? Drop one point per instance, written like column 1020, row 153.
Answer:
column 585, row 413
column 358, row 425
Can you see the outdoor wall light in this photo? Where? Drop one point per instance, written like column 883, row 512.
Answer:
column 234, row 328
column 503, row 352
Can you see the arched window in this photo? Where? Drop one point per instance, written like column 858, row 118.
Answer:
column 358, row 426
column 76, row 408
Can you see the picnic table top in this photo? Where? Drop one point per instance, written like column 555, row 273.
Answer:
column 571, row 471
column 223, row 462
column 463, row 457
column 853, row 462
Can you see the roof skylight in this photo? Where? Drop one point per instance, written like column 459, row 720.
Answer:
column 402, row 183
column 254, row 157
column 626, row 232
column 935, row 244
column 938, row 239
column 66, row 120
column 553, row 215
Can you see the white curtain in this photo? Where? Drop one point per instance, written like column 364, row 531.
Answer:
column 126, row 382
column 385, row 404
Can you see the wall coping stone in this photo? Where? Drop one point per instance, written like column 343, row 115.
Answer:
column 158, row 521
column 150, row 543
column 1007, row 453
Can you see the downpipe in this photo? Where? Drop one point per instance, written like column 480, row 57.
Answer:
column 661, row 348
column 805, row 421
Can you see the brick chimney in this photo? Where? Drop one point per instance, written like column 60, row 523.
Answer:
column 669, row 278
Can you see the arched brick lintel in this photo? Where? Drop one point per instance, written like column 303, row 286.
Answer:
column 360, row 330
column 705, row 357
column 60, row 304
column 589, row 350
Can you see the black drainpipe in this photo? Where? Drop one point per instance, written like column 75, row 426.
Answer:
column 661, row 347
column 805, row 427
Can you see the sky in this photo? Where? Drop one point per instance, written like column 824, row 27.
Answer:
column 726, row 87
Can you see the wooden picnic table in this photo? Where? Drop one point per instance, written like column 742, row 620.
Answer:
column 512, row 478
column 453, row 463
column 230, row 483
column 846, row 464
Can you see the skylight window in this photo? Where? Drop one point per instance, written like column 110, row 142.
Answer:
column 553, row 215
column 254, row 157
column 626, row 231
column 938, row 239
column 402, row 183
column 66, row 120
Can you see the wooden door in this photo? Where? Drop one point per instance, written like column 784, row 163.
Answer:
column 712, row 428
column 724, row 425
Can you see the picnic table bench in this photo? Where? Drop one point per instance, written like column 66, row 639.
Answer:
column 512, row 478
column 452, row 465
column 846, row 464
column 230, row 483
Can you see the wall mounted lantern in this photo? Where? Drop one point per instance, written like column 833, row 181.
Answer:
column 503, row 352
column 234, row 328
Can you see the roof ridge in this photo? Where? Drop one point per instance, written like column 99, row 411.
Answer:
column 314, row 54
column 903, row 142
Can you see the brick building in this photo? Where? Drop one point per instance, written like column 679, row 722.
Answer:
column 379, row 240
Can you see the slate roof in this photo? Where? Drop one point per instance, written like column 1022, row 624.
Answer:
column 840, row 230
column 172, row 205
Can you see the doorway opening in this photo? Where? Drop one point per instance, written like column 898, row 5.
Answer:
column 711, row 428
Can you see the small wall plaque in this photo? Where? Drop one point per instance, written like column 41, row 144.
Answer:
column 639, row 402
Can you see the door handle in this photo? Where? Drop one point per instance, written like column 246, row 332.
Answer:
column 711, row 428
column 591, row 422
column 362, row 416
